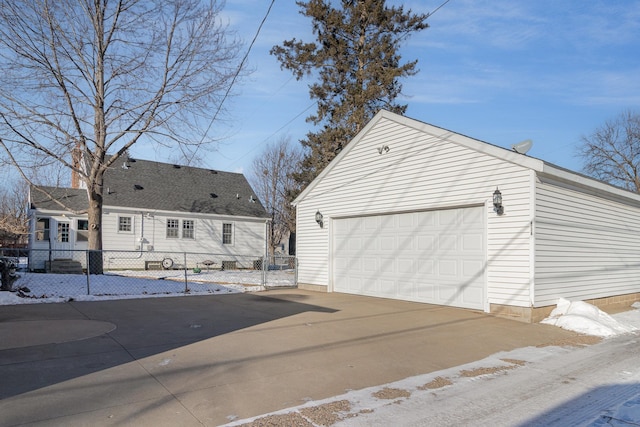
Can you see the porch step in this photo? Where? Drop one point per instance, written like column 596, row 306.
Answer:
column 64, row 266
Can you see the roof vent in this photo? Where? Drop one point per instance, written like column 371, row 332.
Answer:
column 177, row 166
column 213, row 172
column 138, row 187
column 213, row 195
column 251, row 199
column 131, row 160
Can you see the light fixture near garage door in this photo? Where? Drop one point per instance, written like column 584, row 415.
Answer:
column 497, row 202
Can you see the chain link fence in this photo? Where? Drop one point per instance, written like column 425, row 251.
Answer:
column 56, row 273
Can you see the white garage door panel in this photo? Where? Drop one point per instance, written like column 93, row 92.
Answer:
column 436, row 257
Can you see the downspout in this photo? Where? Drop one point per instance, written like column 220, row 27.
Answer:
column 266, row 253
column 532, row 238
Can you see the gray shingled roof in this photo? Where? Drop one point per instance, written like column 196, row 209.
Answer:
column 161, row 186
column 75, row 200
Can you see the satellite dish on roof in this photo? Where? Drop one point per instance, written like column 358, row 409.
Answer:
column 522, row 147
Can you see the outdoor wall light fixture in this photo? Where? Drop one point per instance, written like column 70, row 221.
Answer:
column 319, row 219
column 497, row 202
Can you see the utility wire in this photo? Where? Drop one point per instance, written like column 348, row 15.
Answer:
column 275, row 132
column 306, row 109
column 438, row 8
column 233, row 80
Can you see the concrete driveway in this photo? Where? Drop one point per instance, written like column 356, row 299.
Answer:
column 201, row 360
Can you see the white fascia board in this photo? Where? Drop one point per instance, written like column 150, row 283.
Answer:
column 585, row 181
column 55, row 212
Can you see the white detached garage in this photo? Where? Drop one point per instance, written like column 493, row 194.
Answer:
column 406, row 211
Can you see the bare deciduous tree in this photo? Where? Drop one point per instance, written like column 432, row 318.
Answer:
column 273, row 182
column 99, row 76
column 14, row 227
column 612, row 152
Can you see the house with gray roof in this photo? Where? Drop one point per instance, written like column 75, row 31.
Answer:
column 152, row 211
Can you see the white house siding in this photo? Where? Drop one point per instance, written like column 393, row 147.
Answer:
column 248, row 234
column 421, row 171
column 124, row 250
column 586, row 246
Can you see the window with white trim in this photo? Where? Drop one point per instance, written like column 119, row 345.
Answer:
column 125, row 224
column 42, row 229
column 173, row 227
column 188, row 227
column 82, row 230
column 227, row 234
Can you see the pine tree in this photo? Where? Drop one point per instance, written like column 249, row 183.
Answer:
column 355, row 58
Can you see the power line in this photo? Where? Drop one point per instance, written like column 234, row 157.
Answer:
column 276, row 131
column 233, row 80
column 306, row 109
column 438, row 8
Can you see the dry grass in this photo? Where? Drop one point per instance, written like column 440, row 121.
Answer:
column 437, row 382
column 329, row 413
column 292, row 419
column 575, row 341
column 391, row 393
column 514, row 363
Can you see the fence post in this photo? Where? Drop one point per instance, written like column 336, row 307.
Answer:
column 88, row 269
column 186, row 282
column 264, row 272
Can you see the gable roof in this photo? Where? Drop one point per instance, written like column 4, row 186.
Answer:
column 155, row 186
column 540, row 166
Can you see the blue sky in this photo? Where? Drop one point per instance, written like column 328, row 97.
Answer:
column 500, row 71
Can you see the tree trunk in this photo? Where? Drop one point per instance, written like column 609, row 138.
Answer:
column 94, row 258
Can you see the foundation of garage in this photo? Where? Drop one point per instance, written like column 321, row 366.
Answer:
column 611, row 304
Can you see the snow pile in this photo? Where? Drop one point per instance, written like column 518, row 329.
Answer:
column 584, row 318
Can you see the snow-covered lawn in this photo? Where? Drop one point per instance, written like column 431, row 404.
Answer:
column 139, row 284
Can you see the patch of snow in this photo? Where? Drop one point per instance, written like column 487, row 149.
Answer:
column 584, row 318
column 51, row 288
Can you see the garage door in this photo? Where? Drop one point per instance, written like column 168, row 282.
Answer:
column 436, row 257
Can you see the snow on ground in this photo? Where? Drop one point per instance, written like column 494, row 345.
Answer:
column 585, row 318
column 597, row 385
column 45, row 287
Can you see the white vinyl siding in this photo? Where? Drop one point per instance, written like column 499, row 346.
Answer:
column 585, row 246
column 422, row 171
column 248, row 234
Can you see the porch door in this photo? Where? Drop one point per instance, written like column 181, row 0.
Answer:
column 62, row 245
